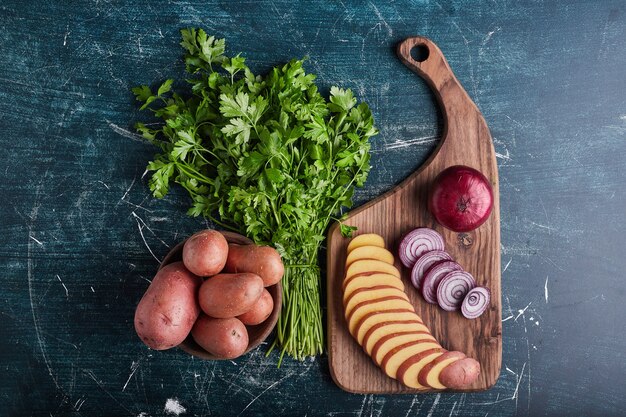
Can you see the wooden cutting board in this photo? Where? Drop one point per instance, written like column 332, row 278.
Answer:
column 466, row 141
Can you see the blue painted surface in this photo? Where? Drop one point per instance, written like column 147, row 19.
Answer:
column 79, row 228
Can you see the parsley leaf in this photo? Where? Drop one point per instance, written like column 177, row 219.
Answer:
column 265, row 155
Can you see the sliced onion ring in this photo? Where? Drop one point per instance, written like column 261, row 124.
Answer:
column 434, row 275
column 453, row 288
column 424, row 263
column 416, row 243
column 476, row 302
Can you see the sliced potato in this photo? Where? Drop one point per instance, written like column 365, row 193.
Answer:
column 370, row 266
column 370, row 293
column 381, row 304
column 394, row 358
column 369, row 281
column 393, row 340
column 409, row 370
column 429, row 375
column 372, row 319
column 380, row 330
column 369, row 252
column 369, row 239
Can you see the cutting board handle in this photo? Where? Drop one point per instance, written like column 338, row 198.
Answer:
column 425, row 58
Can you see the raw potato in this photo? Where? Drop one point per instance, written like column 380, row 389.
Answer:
column 460, row 374
column 369, row 252
column 261, row 260
column 371, row 319
column 229, row 295
column 260, row 311
column 224, row 338
column 390, row 341
column 370, row 265
column 392, row 361
column 369, row 294
column 411, row 367
column 369, row 239
column 380, row 330
column 371, row 306
column 358, row 282
column 205, row 253
column 429, row 375
column 169, row 308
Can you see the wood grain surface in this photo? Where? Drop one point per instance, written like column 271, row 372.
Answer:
column 466, row 141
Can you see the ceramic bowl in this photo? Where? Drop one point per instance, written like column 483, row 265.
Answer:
column 256, row 334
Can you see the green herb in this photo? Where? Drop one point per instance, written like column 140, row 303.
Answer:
column 268, row 157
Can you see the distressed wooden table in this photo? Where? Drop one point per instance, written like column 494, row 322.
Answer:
column 80, row 234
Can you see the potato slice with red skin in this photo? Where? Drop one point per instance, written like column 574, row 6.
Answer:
column 429, row 375
column 369, row 252
column 411, row 367
column 460, row 374
column 388, row 342
column 368, row 239
column 395, row 357
column 381, row 304
column 374, row 318
column 380, row 330
column 370, row 293
column 368, row 281
column 392, row 280
column 371, row 265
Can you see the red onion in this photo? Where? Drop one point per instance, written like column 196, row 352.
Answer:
column 434, row 275
column 461, row 198
column 476, row 302
column 417, row 242
column 452, row 289
column 424, row 263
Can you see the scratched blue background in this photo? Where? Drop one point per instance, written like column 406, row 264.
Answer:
column 79, row 232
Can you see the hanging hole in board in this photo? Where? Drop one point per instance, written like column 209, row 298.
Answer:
column 420, row 53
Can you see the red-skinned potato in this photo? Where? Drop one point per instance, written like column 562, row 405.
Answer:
column 460, row 374
column 205, row 253
column 261, row 260
column 169, row 308
column 223, row 338
column 229, row 295
column 260, row 311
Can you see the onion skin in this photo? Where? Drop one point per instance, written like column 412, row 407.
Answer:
column 461, row 198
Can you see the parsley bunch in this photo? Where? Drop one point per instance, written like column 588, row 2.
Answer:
column 266, row 156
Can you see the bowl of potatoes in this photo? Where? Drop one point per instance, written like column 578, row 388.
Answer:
column 216, row 295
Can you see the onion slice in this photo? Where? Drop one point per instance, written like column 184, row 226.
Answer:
column 453, row 288
column 434, row 275
column 416, row 243
column 424, row 263
column 476, row 302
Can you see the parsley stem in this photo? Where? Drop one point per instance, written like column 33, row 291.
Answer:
column 192, row 173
